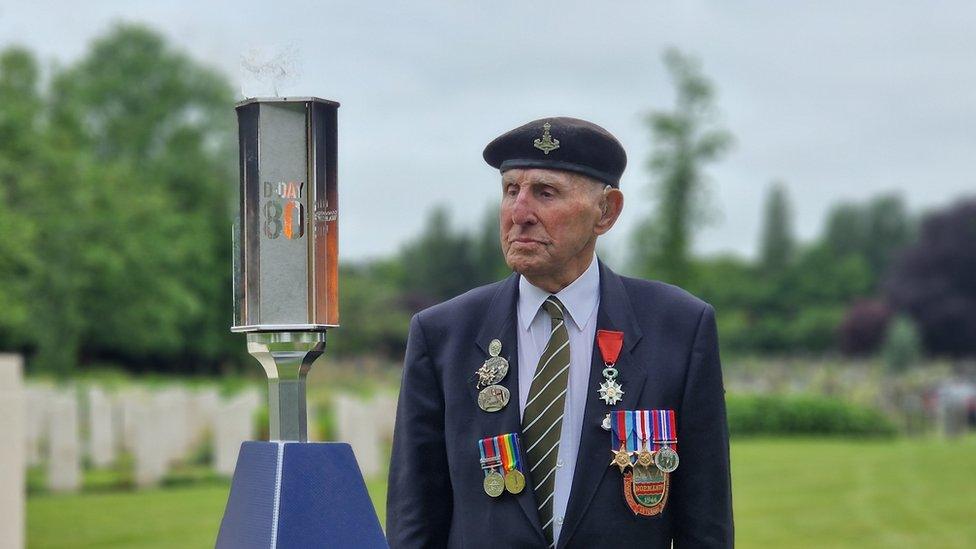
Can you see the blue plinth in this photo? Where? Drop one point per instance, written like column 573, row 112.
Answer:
column 297, row 495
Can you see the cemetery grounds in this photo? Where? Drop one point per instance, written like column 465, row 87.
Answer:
column 787, row 493
column 917, row 491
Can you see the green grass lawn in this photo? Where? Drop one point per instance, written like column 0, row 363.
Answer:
column 788, row 493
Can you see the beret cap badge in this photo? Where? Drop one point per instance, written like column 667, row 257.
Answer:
column 546, row 143
column 582, row 147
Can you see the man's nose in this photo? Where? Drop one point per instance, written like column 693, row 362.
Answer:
column 523, row 211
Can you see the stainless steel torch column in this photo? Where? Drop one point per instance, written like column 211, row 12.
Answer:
column 286, row 246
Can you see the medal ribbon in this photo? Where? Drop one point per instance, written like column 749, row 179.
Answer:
column 609, row 343
column 505, row 451
column 618, row 429
column 508, row 444
column 489, row 453
column 643, row 429
column 665, row 431
column 632, row 442
column 623, row 430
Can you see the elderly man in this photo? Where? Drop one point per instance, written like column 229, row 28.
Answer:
column 551, row 409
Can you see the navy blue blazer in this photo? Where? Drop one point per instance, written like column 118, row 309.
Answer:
column 670, row 360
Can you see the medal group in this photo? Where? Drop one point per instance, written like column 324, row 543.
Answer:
column 502, row 452
column 643, row 444
column 501, row 458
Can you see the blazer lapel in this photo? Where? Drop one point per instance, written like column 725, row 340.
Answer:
column 501, row 323
column 615, row 313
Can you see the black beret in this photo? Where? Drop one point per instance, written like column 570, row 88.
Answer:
column 560, row 143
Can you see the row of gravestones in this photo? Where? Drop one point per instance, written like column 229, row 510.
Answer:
column 67, row 425
column 58, row 428
column 162, row 427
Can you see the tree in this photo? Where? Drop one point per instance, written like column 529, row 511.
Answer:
column 902, row 347
column 864, row 327
column 20, row 110
column 489, row 263
column 777, row 244
column 934, row 281
column 439, row 264
column 120, row 176
column 875, row 230
column 685, row 139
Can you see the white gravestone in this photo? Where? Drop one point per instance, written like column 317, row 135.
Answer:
column 64, row 443
column 150, row 446
column 130, row 403
column 234, row 424
column 101, row 428
column 13, row 425
column 173, row 404
column 384, row 409
column 201, row 411
column 356, row 423
column 38, row 397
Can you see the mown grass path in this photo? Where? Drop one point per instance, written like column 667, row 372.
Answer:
column 788, row 493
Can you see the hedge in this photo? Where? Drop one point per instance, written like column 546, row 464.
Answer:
column 804, row 415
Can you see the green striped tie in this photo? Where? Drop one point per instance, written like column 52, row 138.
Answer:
column 543, row 416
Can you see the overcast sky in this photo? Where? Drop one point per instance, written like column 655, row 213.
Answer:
column 840, row 100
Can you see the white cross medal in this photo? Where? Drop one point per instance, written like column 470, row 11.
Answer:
column 610, row 391
column 610, row 343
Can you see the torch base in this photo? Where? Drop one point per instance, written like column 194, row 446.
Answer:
column 298, row 494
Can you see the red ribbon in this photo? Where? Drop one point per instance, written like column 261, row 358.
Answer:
column 610, row 343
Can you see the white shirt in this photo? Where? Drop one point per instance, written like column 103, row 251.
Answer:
column 580, row 300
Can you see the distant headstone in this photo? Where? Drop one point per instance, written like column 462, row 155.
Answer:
column 38, row 397
column 101, row 428
column 234, row 424
column 13, row 425
column 385, row 406
column 201, row 412
column 130, row 403
column 357, row 424
column 150, row 444
column 64, row 443
column 172, row 404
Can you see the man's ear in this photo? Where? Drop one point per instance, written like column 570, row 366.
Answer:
column 611, row 205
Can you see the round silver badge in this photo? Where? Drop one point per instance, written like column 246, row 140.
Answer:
column 493, row 398
column 495, row 347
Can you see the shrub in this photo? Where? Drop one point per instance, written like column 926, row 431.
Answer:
column 804, row 415
column 903, row 347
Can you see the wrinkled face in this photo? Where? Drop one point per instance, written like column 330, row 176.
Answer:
column 548, row 220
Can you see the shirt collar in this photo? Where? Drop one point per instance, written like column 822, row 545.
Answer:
column 579, row 299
